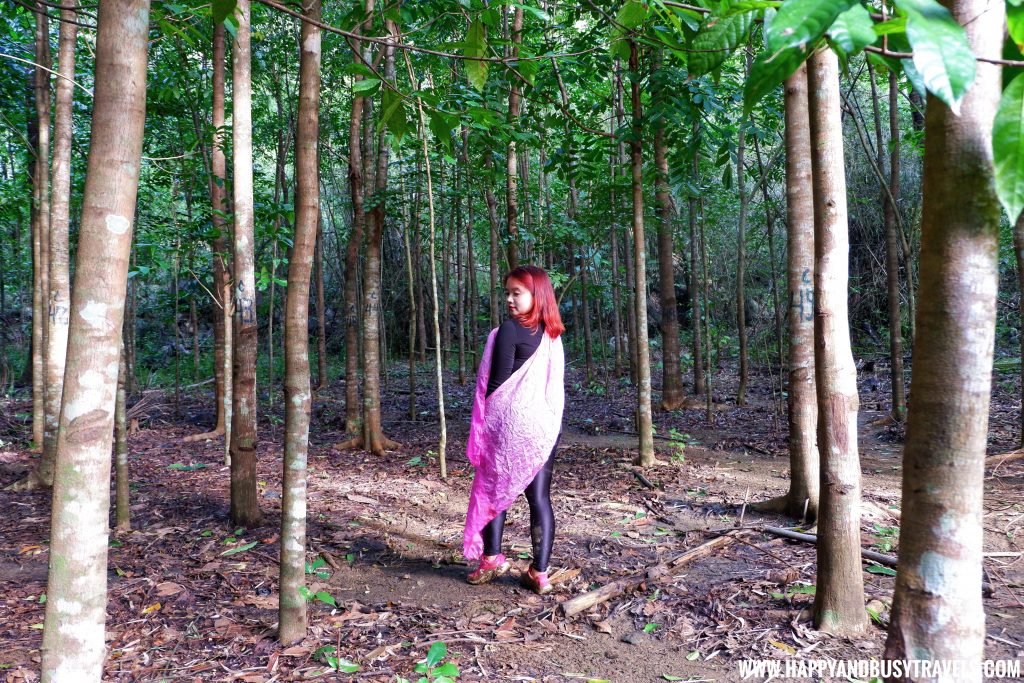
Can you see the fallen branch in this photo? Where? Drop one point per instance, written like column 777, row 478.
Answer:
column 1003, row 458
column 628, row 583
column 643, row 480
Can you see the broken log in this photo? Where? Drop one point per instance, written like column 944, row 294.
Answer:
column 628, row 583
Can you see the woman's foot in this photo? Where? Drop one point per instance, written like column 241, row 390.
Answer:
column 489, row 569
column 536, row 581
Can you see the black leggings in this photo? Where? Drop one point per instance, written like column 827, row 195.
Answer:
column 542, row 518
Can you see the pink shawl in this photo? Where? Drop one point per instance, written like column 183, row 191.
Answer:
column 512, row 433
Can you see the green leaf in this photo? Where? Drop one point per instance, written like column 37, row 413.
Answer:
column 222, row 9
column 366, row 87
column 240, row 549
column 326, row 598
column 631, row 15
column 879, row 569
column 347, row 666
column 803, row 22
column 853, row 30
column 436, row 653
column 447, row 669
column 670, row 677
column 535, row 11
column 394, row 115
column 650, row 627
column 718, row 38
column 768, row 72
column 476, row 46
column 1015, row 23
column 691, row 656
column 941, row 52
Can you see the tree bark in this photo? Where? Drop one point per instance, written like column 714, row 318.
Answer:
column 322, row 380
column 804, row 474
column 699, row 382
column 492, row 217
column 672, row 376
column 644, row 423
column 839, row 601
column 245, row 509
column 892, row 257
column 741, row 265
column 514, row 103
column 41, row 251
column 73, row 632
column 937, row 609
column 59, row 277
column 223, row 308
column 298, row 397
column 122, row 511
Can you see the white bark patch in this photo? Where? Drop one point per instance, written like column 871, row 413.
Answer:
column 978, row 284
column 88, row 399
column 312, row 43
column 117, row 224
column 294, row 546
column 68, row 606
column 90, row 379
column 97, row 316
column 298, row 503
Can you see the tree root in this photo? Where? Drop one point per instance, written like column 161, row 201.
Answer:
column 216, row 433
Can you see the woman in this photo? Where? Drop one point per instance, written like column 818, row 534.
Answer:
column 517, row 418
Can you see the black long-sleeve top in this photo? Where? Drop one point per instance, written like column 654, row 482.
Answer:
column 513, row 346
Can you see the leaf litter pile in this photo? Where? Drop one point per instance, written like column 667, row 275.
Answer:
column 667, row 574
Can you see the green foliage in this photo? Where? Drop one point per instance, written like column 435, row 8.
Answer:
column 941, row 53
column 718, row 38
column 434, row 668
column 768, row 71
column 800, row 23
column 853, row 30
column 476, row 46
column 327, row 655
column 1008, row 148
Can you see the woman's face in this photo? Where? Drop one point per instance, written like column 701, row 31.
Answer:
column 519, row 298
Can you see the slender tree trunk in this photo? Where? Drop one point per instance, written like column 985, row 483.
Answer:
column 355, row 178
column 41, row 251
column 892, row 257
column 245, row 509
column 644, row 423
column 414, row 312
column 770, row 231
column 279, row 188
column 417, row 259
column 672, row 376
column 73, row 632
column 699, row 384
column 937, row 607
column 59, row 278
column 223, row 308
column 492, row 217
column 176, row 294
column 741, row 265
column 613, row 210
column 839, row 600
column 193, row 318
column 709, row 372
column 514, row 103
column 298, row 397
column 122, row 510
column 804, row 483
column 322, row 380
column 460, row 278
column 631, row 325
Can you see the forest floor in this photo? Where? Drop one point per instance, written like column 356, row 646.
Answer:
column 385, row 536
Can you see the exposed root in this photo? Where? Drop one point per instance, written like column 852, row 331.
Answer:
column 216, row 433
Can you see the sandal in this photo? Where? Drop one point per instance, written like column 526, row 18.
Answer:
column 489, row 569
column 536, row 581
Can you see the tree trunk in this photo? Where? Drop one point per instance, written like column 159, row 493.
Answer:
column 937, row 607
column 41, row 251
column 769, row 221
column 492, row 217
column 644, row 423
column 245, row 509
column 73, row 632
column 59, row 278
column 613, row 209
column 672, row 376
column 414, row 313
column 892, row 257
column 122, row 510
column 699, row 383
column 292, row 610
column 322, row 380
column 804, row 474
column 223, row 308
column 511, row 199
column 839, row 601
column 355, row 178
column 741, row 264
column 193, row 318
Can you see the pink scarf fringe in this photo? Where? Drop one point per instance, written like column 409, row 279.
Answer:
column 511, row 433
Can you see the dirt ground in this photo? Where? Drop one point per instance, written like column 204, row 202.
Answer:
column 387, row 576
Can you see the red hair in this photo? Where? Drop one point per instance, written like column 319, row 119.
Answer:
column 545, row 305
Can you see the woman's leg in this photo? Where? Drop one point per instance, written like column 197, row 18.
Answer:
column 542, row 517
column 492, row 535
